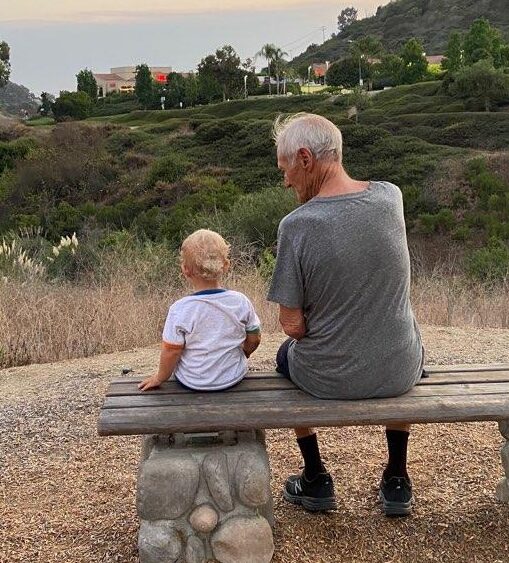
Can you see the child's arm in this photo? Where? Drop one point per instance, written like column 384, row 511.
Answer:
column 170, row 355
column 251, row 342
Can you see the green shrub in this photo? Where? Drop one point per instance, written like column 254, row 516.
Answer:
column 253, row 219
column 461, row 233
column 360, row 136
column 266, row 263
column 489, row 264
column 12, row 151
column 180, row 220
column 217, row 130
column 124, row 140
column 169, row 168
column 72, row 105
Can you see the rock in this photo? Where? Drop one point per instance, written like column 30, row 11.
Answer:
column 253, row 479
column 204, row 518
column 158, row 542
column 502, row 492
column 505, row 457
column 195, row 551
column 215, row 469
column 503, row 426
column 243, row 540
column 167, row 486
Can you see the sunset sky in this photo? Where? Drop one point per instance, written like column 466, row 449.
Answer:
column 51, row 41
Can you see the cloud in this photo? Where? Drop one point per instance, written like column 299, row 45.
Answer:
column 108, row 11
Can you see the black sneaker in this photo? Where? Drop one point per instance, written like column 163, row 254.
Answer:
column 396, row 496
column 315, row 495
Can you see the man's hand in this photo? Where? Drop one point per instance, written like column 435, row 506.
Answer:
column 150, row 383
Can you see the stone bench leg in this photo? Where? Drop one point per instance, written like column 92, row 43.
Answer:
column 205, row 497
column 502, row 493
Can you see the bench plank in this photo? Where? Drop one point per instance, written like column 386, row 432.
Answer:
column 287, row 395
column 436, row 369
column 248, row 384
column 314, row 412
column 272, row 380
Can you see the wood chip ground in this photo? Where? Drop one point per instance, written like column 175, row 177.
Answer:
column 68, row 496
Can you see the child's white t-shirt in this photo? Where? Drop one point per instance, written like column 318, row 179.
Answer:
column 212, row 326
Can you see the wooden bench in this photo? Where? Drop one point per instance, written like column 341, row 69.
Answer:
column 220, row 429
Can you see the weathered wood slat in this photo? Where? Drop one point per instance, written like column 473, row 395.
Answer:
column 436, row 374
column 465, row 377
column 466, row 368
column 172, row 387
column 250, row 375
column 193, row 418
column 287, row 395
column 275, row 381
column 435, row 369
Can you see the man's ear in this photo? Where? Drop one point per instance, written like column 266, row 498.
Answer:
column 305, row 157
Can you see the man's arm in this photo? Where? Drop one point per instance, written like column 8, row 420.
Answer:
column 251, row 343
column 170, row 355
column 292, row 321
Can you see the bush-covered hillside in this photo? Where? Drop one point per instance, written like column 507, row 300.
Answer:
column 161, row 174
column 430, row 20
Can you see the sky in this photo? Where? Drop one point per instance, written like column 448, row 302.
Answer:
column 52, row 40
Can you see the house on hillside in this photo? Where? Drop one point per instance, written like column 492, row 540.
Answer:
column 318, row 72
column 122, row 78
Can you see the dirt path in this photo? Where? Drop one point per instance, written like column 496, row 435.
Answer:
column 68, row 496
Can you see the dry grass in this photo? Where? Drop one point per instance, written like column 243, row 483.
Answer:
column 451, row 301
column 44, row 322
column 68, row 496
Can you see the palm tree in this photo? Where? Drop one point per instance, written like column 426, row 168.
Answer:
column 267, row 52
column 278, row 63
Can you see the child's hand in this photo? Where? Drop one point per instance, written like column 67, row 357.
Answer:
column 149, row 383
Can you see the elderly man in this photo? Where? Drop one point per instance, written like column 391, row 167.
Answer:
column 342, row 281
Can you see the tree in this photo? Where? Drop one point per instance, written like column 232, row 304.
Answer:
column 175, row 90
column 5, row 65
column 481, row 82
column 415, row 64
column 454, row 53
column 346, row 18
column 87, row 83
column 72, row 105
column 191, row 90
column 209, row 89
column 367, row 48
column 390, row 69
column 224, row 67
column 267, row 52
column 278, row 64
column 484, row 41
column 144, row 85
column 345, row 72
column 46, row 101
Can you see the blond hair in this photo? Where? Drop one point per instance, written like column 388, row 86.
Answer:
column 205, row 254
column 307, row 131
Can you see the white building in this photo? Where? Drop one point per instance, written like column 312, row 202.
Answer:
column 122, row 78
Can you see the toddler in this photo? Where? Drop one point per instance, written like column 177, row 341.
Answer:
column 209, row 334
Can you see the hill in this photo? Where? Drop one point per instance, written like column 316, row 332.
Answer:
column 162, row 174
column 15, row 97
column 429, row 20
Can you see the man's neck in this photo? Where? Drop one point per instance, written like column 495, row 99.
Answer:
column 333, row 180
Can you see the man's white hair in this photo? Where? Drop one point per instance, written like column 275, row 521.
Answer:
column 308, row 131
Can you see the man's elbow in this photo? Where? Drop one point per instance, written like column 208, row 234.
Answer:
column 293, row 331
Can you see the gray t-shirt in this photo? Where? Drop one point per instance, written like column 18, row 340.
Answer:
column 344, row 260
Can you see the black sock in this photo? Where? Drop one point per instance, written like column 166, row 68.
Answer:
column 397, row 443
column 312, row 462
